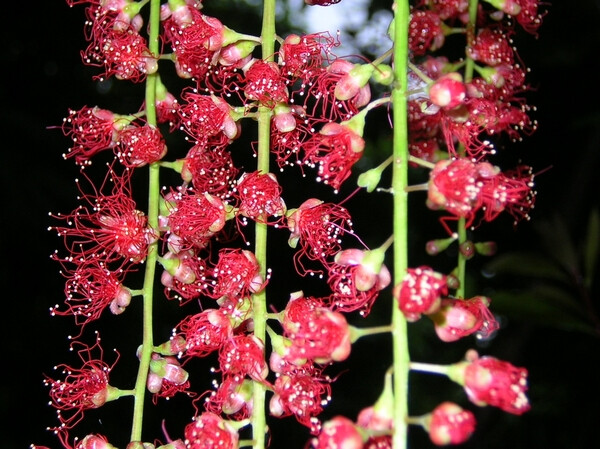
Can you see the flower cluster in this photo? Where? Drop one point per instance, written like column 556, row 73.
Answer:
column 195, row 237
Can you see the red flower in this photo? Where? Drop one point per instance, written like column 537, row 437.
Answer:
column 489, row 381
column 233, row 396
column 140, row 145
column 209, row 431
column 184, row 274
column 265, row 84
column 259, row 197
column 318, row 227
column 420, row 291
column 302, row 392
column 529, row 16
column 463, row 188
column 301, row 56
column 236, row 274
column 492, row 47
column 92, row 130
column 319, row 334
column 449, row 9
column 356, row 281
column 458, row 318
column 194, row 38
column 207, row 118
column 448, row 91
column 194, row 217
column 92, row 287
column 166, row 378
column 205, row 332
column 109, row 227
column 510, row 191
column 321, row 100
column 334, row 150
column 339, row 432
column 243, row 355
column 425, row 32
column 83, row 388
column 210, row 169
column 454, row 186
column 117, row 46
column 290, row 128
column 166, row 108
column 450, row 424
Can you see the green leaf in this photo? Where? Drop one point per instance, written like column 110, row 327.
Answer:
column 543, row 305
column 591, row 248
column 558, row 244
column 526, row 264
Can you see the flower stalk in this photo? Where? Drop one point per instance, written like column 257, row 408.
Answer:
column 401, row 356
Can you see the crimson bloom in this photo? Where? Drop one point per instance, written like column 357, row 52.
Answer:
column 193, row 218
column 301, row 392
column 317, row 227
column 108, row 227
column 209, row 168
column 91, row 288
column 458, row 318
column 490, row 381
column 319, row 334
column 207, row 118
column 205, row 332
column 243, row 355
column 420, row 292
column 258, row 196
column 210, row 431
column 92, row 130
column 117, row 46
column 448, row 423
column 236, row 274
column 339, row 432
column 140, row 145
column 463, row 188
column 321, row 100
column 425, row 32
column 83, row 388
column 194, row 38
column 334, row 150
column 301, row 56
column 233, row 396
column 356, row 277
column 184, row 276
column 265, row 84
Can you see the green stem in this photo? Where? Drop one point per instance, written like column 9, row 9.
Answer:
column 400, row 225
column 469, row 69
column 153, row 202
column 259, row 308
column 429, row 368
column 359, row 332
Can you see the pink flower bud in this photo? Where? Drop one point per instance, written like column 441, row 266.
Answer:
column 339, row 432
column 489, row 381
column 450, row 424
column 459, row 318
column 448, row 91
column 352, row 82
column 94, row 442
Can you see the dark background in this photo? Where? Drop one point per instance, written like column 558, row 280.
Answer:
column 555, row 335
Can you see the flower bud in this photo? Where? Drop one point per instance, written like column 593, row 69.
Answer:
column 339, row 432
column 450, row 424
column 448, row 91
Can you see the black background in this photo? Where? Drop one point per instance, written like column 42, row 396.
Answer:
column 42, row 76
